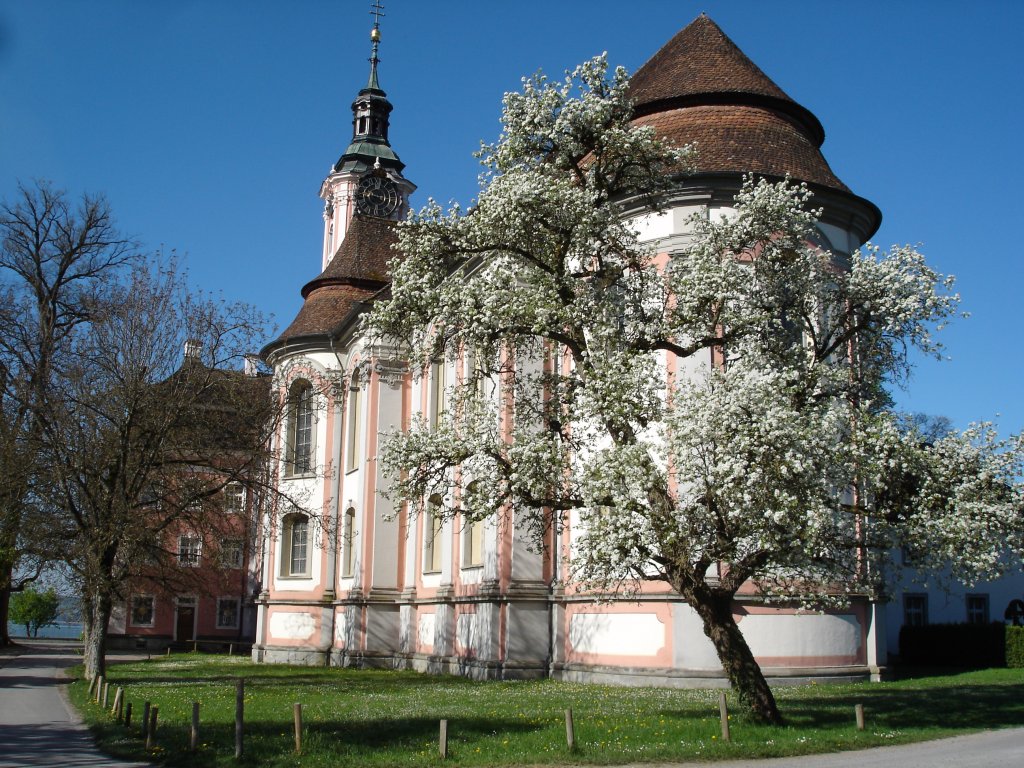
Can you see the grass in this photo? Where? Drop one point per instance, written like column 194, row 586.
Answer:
column 383, row 718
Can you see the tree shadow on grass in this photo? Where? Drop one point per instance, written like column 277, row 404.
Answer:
column 348, row 742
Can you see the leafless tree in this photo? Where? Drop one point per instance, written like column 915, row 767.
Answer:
column 54, row 255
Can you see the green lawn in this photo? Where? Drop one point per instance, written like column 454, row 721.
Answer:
column 368, row 718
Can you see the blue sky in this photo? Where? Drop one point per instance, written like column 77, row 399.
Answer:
column 210, row 125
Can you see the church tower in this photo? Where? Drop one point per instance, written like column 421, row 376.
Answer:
column 367, row 178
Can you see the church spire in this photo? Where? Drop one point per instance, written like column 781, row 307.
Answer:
column 371, row 113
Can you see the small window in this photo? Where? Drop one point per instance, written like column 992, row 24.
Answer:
column 977, row 609
column 295, row 546
column 234, row 498
column 143, row 612
column 915, row 610
column 348, row 544
column 432, row 527
column 231, row 553
column 189, row 550
column 227, row 613
column 300, row 428
column 355, row 406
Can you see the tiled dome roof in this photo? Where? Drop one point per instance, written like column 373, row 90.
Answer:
column 701, row 88
column 357, row 272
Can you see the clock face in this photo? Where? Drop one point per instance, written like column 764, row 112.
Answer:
column 377, row 196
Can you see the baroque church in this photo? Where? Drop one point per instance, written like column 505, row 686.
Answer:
column 348, row 579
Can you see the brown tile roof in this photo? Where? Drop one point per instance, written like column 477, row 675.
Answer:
column 324, row 309
column 732, row 139
column 363, row 255
column 700, row 87
column 358, row 271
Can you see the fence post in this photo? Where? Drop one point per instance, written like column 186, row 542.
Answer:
column 99, row 688
column 145, row 720
column 92, row 685
column 194, row 737
column 239, row 715
column 298, row 727
column 128, row 715
column 858, row 711
column 106, row 691
column 151, row 733
column 443, row 740
column 570, row 730
column 118, row 700
column 723, row 712
column 231, row 649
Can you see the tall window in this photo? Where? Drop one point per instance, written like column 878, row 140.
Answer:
column 977, row 609
column 437, row 386
column 295, row 546
column 234, row 498
column 473, row 544
column 432, row 524
column 915, row 610
column 189, row 551
column 300, row 427
column 355, row 406
column 348, row 549
column 472, row 536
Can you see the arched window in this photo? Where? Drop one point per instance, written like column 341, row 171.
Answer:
column 432, row 524
column 295, row 546
column 300, row 428
column 348, row 548
column 355, row 407
column 438, row 383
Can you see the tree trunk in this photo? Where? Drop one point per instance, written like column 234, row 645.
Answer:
column 5, row 612
column 737, row 659
column 97, row 616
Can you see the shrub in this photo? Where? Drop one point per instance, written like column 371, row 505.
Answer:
column 1015, row 646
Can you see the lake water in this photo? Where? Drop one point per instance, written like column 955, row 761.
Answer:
column 61, row 631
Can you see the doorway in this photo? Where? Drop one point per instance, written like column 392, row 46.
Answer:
column 185, row 622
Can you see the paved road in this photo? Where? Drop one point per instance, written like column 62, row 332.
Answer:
column 37, row 726
column 992, row 749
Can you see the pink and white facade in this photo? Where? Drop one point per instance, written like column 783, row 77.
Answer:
column 350, row 580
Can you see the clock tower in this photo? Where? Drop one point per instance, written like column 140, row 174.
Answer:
column 367, row 179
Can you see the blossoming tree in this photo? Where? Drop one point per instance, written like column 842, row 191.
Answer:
column 779, row 465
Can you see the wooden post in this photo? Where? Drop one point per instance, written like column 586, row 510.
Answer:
column 858, row 711
column 195, row 646
column 92, row 685
column 99, row 688
column 443, row 740
column 118, row 697
column 106, row 691
column 168, row 650
column 239, row 714
column 723, row 712
column 145, row 720
column 128, row 715
column 151, row 733
column 298, row 728
column 570, row 730
column 194, row 742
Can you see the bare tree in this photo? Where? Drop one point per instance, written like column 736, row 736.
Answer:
column 54, row 254
column 141, row 439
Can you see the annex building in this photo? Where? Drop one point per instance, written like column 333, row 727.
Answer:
column 350, row 580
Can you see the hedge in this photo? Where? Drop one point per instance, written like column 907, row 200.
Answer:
column 959, row 645
column 1015, row 646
